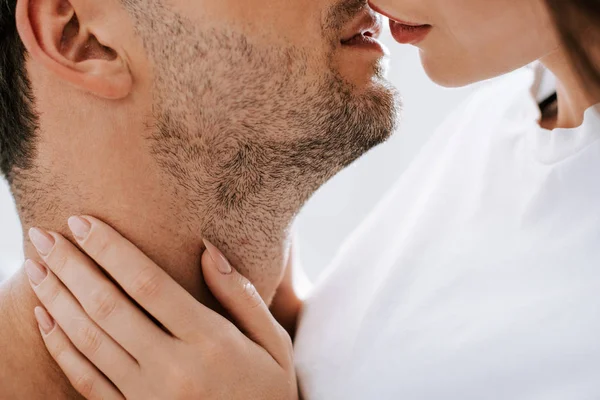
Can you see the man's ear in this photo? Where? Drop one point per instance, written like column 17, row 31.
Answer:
column 66, row 37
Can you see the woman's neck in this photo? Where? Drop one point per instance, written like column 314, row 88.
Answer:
column 573, row 97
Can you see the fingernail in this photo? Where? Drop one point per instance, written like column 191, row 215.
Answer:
column 218, row 258
column 80, row 227
column 44, row 320
column 36, row 272
column 42, row 241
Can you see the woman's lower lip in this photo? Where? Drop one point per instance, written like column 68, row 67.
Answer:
column 409, row 34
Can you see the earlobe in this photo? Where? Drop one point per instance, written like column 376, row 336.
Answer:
column 60, row 37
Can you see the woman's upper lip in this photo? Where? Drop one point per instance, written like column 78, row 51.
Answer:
column 378, row 10
column 367, row 21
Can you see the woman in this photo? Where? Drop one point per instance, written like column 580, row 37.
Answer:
column 477, row 277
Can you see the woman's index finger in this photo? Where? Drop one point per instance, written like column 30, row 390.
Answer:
column 144, row 281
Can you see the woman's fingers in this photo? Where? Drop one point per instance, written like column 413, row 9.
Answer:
column 85, row 335
column 239, row 297
column 140, row 277
column 84, row 377
column 117, row 315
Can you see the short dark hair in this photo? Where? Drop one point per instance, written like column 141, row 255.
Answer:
column 18, row 119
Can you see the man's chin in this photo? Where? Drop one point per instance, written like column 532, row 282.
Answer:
column 364, row 75
column 379, row 107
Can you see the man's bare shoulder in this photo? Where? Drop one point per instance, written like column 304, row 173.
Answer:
column 26, row 370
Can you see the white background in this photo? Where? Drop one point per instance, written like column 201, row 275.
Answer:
column 341, row 204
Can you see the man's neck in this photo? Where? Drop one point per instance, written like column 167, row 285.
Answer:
column 175, row 244
column 26, row 369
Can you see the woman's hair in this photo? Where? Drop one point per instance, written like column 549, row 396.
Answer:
column 578, row 22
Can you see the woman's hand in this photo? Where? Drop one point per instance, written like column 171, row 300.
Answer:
column 286, row 305
column 110, row 349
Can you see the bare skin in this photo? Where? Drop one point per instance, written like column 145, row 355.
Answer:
column 160, row 120
column 473, row 40
column 573, row 100
column 144, row 361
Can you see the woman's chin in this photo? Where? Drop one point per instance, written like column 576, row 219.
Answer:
column 459, row 71
column 449, row 74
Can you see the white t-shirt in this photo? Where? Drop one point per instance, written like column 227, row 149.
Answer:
column 478, row 277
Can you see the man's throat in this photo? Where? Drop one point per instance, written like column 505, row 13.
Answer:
column 27, row 371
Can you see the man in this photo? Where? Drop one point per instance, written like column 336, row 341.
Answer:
column 174, row 121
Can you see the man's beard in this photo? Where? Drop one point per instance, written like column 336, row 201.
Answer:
column 249, row 132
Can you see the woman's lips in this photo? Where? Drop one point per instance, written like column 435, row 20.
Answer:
column 402, row 31
column 407, row 33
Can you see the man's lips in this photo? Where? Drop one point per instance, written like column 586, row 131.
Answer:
column 366, row 24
